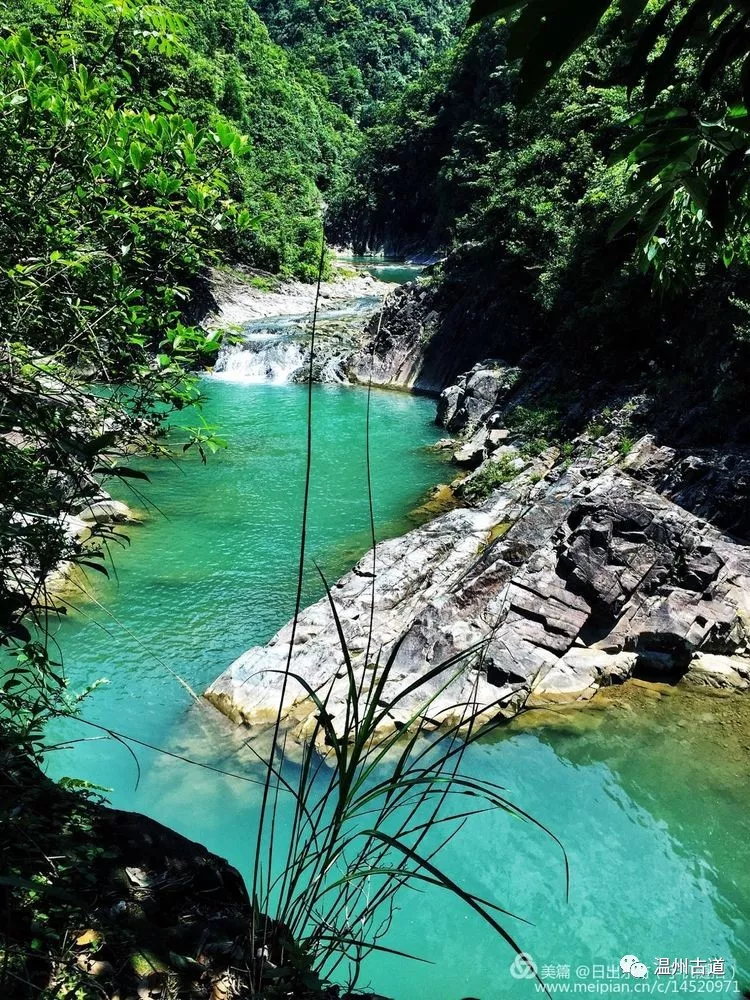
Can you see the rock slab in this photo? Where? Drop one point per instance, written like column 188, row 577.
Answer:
column 558, row 587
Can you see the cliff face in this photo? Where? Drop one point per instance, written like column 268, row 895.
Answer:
column 396, row 342
column 433, row 329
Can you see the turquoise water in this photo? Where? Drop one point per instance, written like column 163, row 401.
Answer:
column 649, row 797
column 215, row 572
column 394, row 272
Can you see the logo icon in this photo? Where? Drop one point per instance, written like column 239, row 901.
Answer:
column 523, row 966
column 631, row 965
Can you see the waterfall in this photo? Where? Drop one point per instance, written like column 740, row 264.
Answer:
column 274, row 349
column 261, row 357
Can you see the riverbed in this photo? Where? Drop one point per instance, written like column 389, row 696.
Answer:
column 647, row 789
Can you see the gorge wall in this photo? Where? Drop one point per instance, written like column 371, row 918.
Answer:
column 597, row 541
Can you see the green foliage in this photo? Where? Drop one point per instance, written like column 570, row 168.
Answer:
column 527, row 199
column 688, row 164
column 535, row 422
column 263, row 284
column 216, row 63
column 625, row 445
column 595, row 429
column 205, row 439
column 600, row 425
column 455, row 161
column 539, row 427
column 112, row 207
column 403, row 196
column 108, row 210
column 367, row 50
column 489, row 478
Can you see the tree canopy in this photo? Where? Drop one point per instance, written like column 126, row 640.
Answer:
column 368, row 50
column 688, row 161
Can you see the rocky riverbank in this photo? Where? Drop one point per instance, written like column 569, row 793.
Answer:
column 575, row 580
column 589, row 550
column 130, row 907
column 243, row 296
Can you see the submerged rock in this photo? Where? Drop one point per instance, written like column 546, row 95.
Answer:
column 590, row 581
column 108, row 511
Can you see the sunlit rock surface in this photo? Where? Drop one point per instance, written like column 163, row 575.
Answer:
column 555, row 587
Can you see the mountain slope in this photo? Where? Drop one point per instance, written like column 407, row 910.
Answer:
column 369, row 49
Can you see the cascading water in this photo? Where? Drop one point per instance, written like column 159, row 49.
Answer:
column 272, row 359
column 270, row 351
column 274, row 351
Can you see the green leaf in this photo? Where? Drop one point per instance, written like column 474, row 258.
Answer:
column 122, row 472
column 94, row 565
column 101, row 443
column 136, row 157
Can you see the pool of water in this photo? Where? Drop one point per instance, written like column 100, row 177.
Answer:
column 395, row 272
column 213, row 570
column 648, row 792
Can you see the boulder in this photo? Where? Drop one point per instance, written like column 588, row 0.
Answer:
column 108, row 511
column 448, row 404
column 713, row 484
column 717, row 671
column 471, row 402
column 497, row 437
column 471, row 453
column 573, row 586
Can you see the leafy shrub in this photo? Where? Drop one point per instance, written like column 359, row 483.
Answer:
column 492, row 475
column 542, row 423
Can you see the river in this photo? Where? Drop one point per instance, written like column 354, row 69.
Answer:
column 648, row 793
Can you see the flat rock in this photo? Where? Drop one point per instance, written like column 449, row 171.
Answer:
column 108, row 511
column 713, row 670
column 544, row 594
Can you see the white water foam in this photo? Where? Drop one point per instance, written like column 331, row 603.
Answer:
column 260, row 359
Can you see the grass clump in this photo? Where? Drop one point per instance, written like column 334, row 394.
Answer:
column 536, row 421
column 540, row 426
column 343, row 271
column 625, row 445
column 263, row 283
column 595, row 429
column 494, row 474
column 601, row 424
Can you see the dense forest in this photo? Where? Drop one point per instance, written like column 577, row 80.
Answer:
column 219, row 66
column 368, row 51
